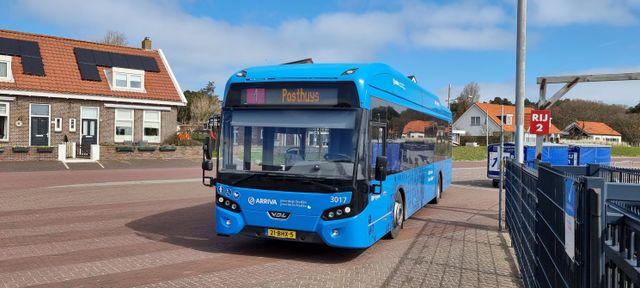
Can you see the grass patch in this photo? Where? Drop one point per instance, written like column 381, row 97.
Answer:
column 620, row 151
column 469, row 153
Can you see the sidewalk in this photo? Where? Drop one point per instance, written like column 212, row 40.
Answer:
column 32, row 166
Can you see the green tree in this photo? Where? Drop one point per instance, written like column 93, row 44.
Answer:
column 528, row 103
column 500, row 101
column 634, row 109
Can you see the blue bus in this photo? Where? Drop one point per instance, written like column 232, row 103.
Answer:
column 339, row 154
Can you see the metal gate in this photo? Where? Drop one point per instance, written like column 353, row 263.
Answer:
column 83, row 151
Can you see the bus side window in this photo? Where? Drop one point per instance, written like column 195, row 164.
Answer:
column 377, row 144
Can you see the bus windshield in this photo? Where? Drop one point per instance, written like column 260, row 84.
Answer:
column 308, row 143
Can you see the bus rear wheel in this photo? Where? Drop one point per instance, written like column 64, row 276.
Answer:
column 398, row 216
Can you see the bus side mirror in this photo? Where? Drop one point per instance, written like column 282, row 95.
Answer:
column 207, row 148
column 381, row 168
column 207, row 165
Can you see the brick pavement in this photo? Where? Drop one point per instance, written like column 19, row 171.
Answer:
column 160, row 235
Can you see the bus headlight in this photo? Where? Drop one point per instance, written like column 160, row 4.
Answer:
column 337, row 212
column 226, row 203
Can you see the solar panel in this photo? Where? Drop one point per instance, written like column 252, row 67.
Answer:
column 88, row 59
column 135, row 62
column 102, row 58
column 84, row 55
column 150, row 64
column 29, row 48
column 32, row 65
column 119, row 60
column 9, row 47
column 89, row 72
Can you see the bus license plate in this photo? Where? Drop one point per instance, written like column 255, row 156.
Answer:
column 277, row 233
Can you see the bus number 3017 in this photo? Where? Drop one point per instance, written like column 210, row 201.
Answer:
column 338, row 199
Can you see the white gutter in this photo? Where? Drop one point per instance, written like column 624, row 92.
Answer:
column 90, row 97
column 173, row 77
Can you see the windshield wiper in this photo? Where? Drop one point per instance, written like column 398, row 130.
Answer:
column 326, row 186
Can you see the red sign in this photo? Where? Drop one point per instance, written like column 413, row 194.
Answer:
column 540, row 122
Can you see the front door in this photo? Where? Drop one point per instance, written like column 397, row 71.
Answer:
column 39, row 131
column 89, row 131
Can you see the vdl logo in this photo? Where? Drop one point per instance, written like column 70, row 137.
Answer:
column 267, row 201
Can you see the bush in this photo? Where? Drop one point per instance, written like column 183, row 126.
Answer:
column 181, row 139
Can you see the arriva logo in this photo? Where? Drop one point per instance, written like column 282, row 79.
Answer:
column 265, row 201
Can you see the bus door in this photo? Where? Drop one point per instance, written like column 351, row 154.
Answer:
column 380, row 196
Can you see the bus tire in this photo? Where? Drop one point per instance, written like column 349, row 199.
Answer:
column 398, row 216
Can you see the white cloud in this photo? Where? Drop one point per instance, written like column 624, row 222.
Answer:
column 563, row 12
column 202, row 49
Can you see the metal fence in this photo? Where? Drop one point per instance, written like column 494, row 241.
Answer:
column 616, row 174
column 575, row 226
column 520, row 214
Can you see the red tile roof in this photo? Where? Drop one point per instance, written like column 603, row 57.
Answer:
column 494, row 111
column 596, row 128
column 63, row 76
column 416, row 126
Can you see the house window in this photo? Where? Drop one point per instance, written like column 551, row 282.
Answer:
column 5, row 69
column 124, row 125
column 508, row 119
column 72, row 125
column 4, row 121
column 57, row 125
column 151, row 126
column 126, row 79
column 475, row 121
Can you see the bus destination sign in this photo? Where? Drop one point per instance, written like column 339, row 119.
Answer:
column 290, row 96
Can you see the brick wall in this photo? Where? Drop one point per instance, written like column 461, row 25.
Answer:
column 182, row 152
column 33, row 154
column 68, row 109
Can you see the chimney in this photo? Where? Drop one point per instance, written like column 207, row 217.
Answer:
column 146, row 43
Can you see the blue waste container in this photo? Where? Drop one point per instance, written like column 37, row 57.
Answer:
column 584, row 154
column 556, row 154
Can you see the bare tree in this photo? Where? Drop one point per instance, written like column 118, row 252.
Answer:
column 115, row 38
column 470, row 91
column 202, row 107
column 469, row 95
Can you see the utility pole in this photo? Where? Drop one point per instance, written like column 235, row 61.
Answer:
column 501, row 157
column 449, row 97
column 521, row 51
column 486, row 125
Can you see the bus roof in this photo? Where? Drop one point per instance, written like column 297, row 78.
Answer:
column 375, row 78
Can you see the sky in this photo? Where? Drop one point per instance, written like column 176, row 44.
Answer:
column 441, row 42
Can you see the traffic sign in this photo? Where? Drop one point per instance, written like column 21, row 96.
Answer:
column 540, row 122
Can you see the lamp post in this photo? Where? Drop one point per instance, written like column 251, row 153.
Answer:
column 521, row 51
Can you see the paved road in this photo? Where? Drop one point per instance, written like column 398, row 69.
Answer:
column 153, row 228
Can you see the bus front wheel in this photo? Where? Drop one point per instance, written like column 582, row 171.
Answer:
column 398, row 216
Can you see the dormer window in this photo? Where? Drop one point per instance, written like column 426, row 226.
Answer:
column 5, row 69
column 122, row 79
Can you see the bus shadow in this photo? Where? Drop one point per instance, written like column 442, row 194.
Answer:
column 193, row 228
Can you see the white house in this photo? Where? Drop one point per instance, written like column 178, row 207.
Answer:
column 596, row 131
column 482, row 116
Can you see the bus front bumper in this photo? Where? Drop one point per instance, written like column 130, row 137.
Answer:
column 352, row 232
